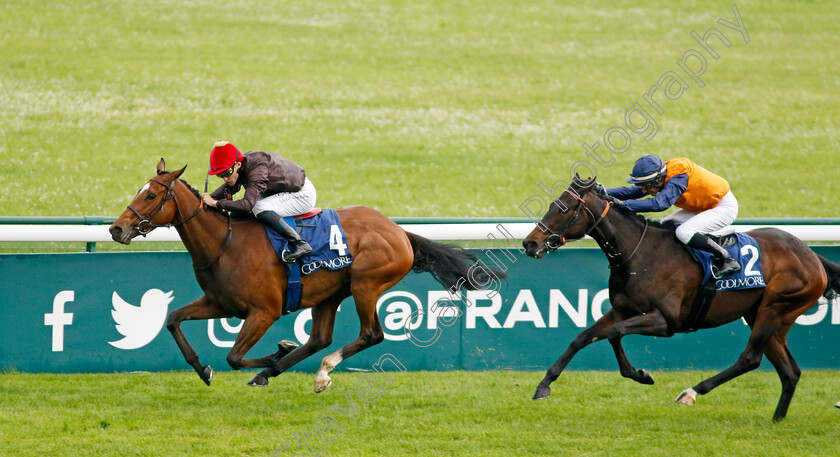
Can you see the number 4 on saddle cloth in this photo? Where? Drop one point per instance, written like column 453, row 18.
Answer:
column 744, row 249
column 323, row 231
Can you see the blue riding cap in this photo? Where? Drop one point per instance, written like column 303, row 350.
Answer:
column 647, row 168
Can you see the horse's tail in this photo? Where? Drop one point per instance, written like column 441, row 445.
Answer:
column 832, row 270
column 450, row 265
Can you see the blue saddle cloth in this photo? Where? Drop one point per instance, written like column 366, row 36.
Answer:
column 329, row 250
column 746, row 251
column 326, row 236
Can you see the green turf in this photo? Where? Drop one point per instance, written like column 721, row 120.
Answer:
column 434, row 108
column 421, row 414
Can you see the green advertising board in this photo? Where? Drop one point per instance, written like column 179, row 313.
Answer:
column 106, row 312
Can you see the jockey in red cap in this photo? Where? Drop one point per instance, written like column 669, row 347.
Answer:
column 275, row 188
column 705, row 200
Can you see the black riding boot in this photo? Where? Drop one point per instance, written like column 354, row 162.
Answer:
column 724, row 263
column 299, row 246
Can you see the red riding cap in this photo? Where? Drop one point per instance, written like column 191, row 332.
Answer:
column 223, row 156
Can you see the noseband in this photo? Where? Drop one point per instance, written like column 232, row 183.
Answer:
column 556, row 240
column 145, row 225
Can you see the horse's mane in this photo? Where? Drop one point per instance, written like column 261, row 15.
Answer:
column 580, row 186
column 191, row 188
column 667, row 225
column 233, row 214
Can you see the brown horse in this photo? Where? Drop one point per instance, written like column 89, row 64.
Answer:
column 241, row 276
column 654, row 282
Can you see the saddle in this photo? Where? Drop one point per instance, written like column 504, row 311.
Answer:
column 314, row 212
column 724, row 240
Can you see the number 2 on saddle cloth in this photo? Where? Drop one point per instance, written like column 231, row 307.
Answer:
column 744, row 249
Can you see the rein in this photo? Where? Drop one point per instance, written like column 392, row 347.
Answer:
column 555, row 240
column 221, row 250
column 635, row 250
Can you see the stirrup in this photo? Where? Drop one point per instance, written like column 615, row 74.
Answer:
column 718, row 273
column 290, row 256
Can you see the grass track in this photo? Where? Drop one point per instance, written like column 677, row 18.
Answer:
column 421, row 414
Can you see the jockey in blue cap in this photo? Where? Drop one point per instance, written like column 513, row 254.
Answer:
column 705, row 200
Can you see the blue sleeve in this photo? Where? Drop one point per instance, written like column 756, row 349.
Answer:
column 673, row 189
column 626, row 192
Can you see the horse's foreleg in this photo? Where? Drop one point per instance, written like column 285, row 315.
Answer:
column 650, row 324
column 625, row 367
column 199, row 309
column 253, row 328
column 597, row 331
column 284, row 347
column 323, row 320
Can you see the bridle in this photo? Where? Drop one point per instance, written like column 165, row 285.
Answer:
column 556, row 240
column 145, row 225
column 169, row 195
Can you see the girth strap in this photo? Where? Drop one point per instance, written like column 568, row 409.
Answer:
column 699, row 308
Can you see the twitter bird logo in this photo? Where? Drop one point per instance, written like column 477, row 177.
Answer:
column 140, row 324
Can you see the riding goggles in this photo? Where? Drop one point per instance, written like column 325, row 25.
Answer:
column 226, row 173
column 648, row 185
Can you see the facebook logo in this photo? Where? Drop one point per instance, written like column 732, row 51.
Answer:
column 58, row 319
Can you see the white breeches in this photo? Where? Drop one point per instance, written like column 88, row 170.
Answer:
column 288, row 203
column 706, row 222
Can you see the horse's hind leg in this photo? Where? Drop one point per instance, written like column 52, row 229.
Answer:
column 766, row 324
column 370, row 334
column 779, row 355
column 197, row 310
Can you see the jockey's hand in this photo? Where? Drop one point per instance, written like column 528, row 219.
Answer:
column 601, row 191
column 208, row 200
column 615, row 202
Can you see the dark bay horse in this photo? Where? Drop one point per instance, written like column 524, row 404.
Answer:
column 654, row 281
column 241, row 276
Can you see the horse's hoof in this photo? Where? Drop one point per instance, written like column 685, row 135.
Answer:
column 837, row 404
column 687, row 397
column 206, row 374
column 287, row 346
column 321, row 386
column 645, row 377
column 258, row 381
column 542, row 393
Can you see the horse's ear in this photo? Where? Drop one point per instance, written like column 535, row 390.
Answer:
column 161, row 166
column 583, row 184
column 177, row 173
column 579, row 182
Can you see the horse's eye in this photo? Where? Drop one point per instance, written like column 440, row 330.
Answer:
column 151, row 196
